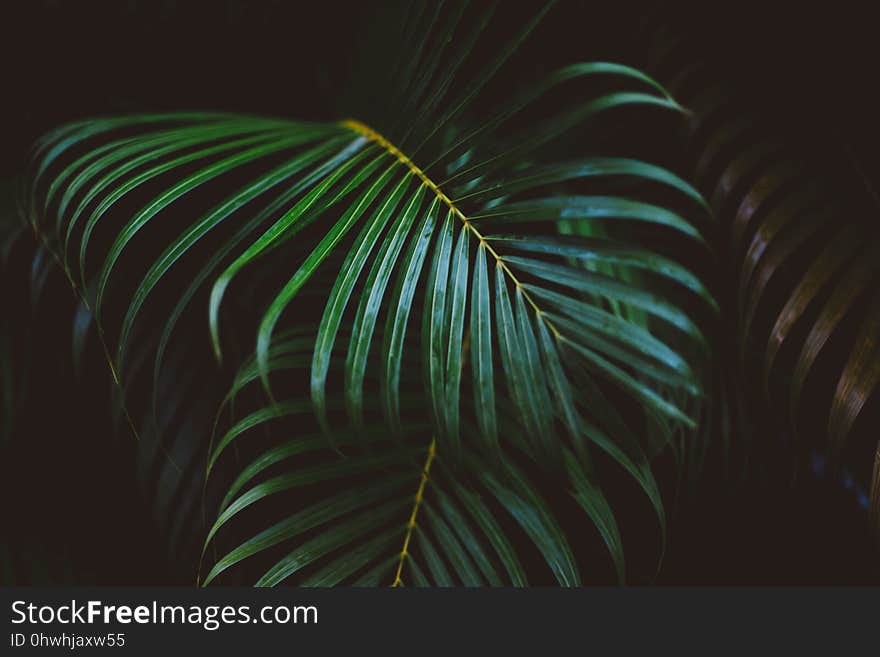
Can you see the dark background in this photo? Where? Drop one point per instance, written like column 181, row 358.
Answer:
column 63, row 60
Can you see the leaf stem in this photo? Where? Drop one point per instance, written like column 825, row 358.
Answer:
column 411, row 524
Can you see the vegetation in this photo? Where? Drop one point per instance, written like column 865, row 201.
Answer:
column 444, row 341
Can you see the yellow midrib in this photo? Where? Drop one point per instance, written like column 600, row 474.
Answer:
column 374, row 136
column 411, row 524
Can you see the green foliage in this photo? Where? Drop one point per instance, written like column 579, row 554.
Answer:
column 553, row 338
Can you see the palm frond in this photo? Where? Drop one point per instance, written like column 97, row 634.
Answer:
column 550, row 323
column 803, row 253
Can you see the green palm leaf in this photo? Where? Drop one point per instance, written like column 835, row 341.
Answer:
column 536, row 289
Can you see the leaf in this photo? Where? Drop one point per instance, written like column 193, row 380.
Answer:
column 579, row 208
column 341, row 292
column 210, row 221
column 436, row 314
column 326, row 227
column 481, row 352
column 290, row 223
column 534, row 517
column 608, row 287
column 591, row 499
column 309, row 518
column 247, row 228
column 458, row 283
column 368, row 308
column 608, row 252
column 401, row 304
